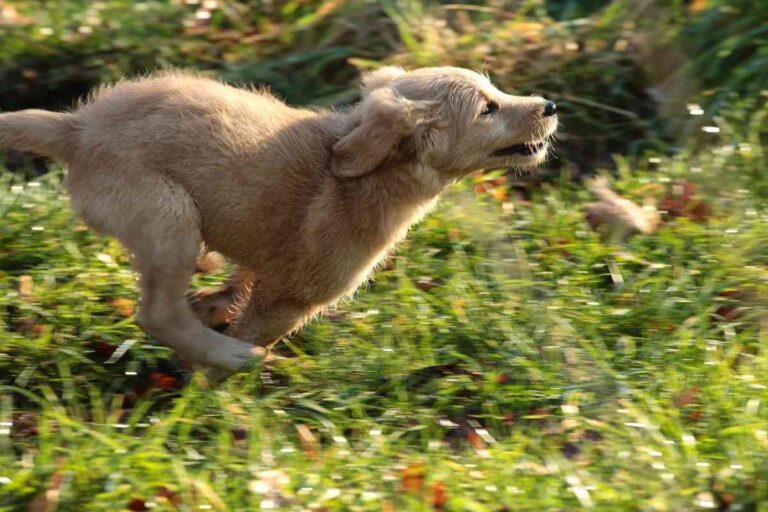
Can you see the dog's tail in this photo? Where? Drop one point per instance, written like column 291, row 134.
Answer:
column 38, row 131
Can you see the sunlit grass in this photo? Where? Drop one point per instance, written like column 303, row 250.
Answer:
column 506, row 357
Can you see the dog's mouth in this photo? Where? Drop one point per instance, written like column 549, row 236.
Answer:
column 525, row 149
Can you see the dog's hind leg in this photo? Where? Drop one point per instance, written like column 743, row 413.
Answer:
column 158, row 222
column 215, row 307
column 265, row 323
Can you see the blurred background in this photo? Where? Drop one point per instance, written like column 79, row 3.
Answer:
column 631, row 75
column 590, row 336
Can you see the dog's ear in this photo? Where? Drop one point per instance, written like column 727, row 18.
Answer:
column 386, row 120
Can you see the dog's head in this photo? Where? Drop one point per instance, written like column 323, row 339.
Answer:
column 452, row 119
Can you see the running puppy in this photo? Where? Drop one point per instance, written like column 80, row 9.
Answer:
column 304, row 202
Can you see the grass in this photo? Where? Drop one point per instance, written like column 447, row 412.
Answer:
column 508, row 357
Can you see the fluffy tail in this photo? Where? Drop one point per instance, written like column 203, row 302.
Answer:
column 39, row 131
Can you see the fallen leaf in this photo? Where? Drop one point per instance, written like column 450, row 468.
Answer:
column 165, row 381
column 48, row 501
column 474, row 439
column 164, row 494
column 412, row 478
column 28, row 326
column 25, row 286
column 137, row 505
column 683, row 201
column 622, row 217
column 308, row 441
column 123, row 306
column 697, row 5
column 439, row 496
column 425, row 283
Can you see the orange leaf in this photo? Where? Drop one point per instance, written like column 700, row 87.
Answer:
column 474, row 439
column 165, row 381
column 683, row 201
column 25, row 286
column 412, row 478
column 123, row 306
column 439, row 495
column 308, row 441
column 697, row 5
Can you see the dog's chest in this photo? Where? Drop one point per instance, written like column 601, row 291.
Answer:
column 345, row 257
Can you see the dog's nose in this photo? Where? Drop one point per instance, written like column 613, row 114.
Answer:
column 550, row 109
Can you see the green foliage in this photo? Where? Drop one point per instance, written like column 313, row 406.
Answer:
column 542, row 369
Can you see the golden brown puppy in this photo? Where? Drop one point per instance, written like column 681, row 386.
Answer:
column 304, row 202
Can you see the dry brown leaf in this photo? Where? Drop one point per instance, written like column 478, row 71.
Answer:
column 425, row 283
column 49, row 500
column 25, row 286
column 683, row 201
column 308, row 441
column 622, row 217
column 439, row 496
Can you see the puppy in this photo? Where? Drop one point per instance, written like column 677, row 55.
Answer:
column 306, row 203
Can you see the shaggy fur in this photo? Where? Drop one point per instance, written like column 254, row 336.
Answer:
column 304, row 202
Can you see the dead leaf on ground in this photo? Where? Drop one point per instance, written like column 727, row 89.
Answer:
column 412, row 478
column 439, row 496
column 123, row 306
column 308, row 441
column 683, row 201
column 137, row 505
column 25, row 286
column 165, row 382
column 48, row 501
column 620, row 217
column 425, row 283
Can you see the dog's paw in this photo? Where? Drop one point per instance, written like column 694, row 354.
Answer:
column 231, row 355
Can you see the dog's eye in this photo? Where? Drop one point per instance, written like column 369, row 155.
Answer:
column 490, row 108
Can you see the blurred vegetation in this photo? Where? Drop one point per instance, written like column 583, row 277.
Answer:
column 623, row 70
column 509, row 358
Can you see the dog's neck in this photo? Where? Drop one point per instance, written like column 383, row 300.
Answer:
column 384, row 203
